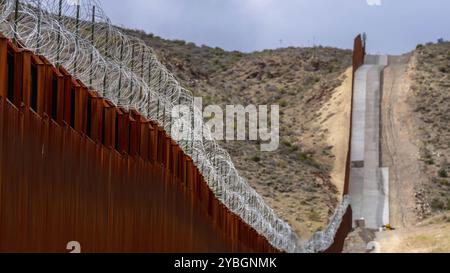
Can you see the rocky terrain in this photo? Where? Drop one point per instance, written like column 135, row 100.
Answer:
column 430, row 88
column 300, row 180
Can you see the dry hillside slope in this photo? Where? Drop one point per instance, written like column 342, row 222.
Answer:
column 430, row 98
column 428, row 236
column 301, row 179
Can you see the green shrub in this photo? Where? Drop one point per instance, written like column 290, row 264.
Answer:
column 314, row 216
column 256, row 158
column 303, row 157
column 179, row 42
column 443, row 69
column 237, row 54
column 437, row 204
column 429, row 161
column 444, row 182
column 443, row 173
column 286, row 143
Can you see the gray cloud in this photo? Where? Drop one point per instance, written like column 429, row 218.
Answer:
column 394, row 27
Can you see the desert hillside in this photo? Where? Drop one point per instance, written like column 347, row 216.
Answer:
column 303, row 179
column 430, row 99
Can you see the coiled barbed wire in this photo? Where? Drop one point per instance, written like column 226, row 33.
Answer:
column 78, row 35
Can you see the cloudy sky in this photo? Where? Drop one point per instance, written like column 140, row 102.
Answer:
column 394, row 27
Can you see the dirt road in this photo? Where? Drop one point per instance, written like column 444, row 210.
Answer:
column 398, row 149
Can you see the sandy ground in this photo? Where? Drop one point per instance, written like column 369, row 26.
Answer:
column 400, row 152
column 334, row 119
column 338, row 126
column 430, row 236
column 399, row 143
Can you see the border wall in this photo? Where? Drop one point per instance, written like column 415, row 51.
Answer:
column 73, row 167
column 359, row 53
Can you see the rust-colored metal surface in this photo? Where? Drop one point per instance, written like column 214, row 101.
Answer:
column 3, row 66
column 75, row 168
column 359, row 53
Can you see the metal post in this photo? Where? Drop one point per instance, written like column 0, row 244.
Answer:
column 142, row 63
column 39, row 28
column 76, row 37
column 157, row 108
column 164, row 109
column 149, row 72
column 132, row 68
column 59, row 34
column 106, row 70
column 142, row 71
column 196, row 156
column 170, row 117
column 92, row 41
column 159, row 84
column 120, row 72
column 164, row 116
column 192, row 127
column 149, row 82
column 16, row 20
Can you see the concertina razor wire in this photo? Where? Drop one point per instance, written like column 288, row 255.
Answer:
column 78, row 35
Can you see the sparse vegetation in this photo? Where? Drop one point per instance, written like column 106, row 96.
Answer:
column 289, row 77
column 286, row 143
column 309, row 160
column 256, row 158
column 430, row 97
column 443, row 173
column 443, row 69
column 429, row 161
column 437, row 204
column 283, row 103
column 314, row 216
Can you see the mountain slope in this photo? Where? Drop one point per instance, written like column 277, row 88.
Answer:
column 430, row 97
column 299, row 179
